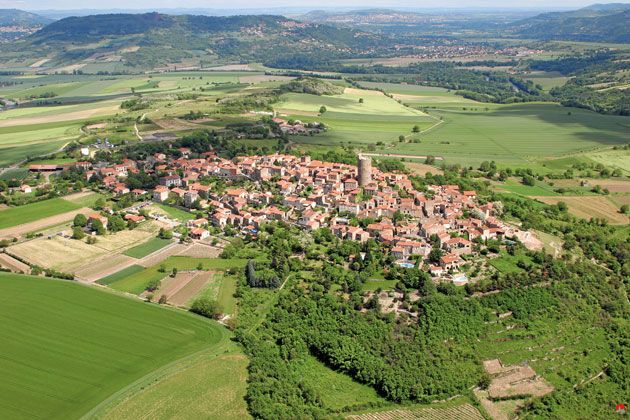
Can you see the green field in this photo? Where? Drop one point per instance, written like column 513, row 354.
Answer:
column 147, row 248
column 174, row 212
column 72, row 347
column 119, row 275
column 14, row 216
column 338, row 391
column 521, row 134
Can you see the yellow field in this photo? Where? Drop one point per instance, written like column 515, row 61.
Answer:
column 68, row 255
column 590, row 206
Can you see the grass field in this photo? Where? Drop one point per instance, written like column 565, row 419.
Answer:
column 30, row 212
column 149, row 247
column 172, row 212
column 588, row 207
column 73, row 346
column 519, row 134
column 119, row 275
column 338, row 391
column 184, row 392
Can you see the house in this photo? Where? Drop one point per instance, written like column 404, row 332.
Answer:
column 160, row 194
column 171, row 181
column 26, row 189
column 94, row 217
column 134, row 218
column 190, row 198
column 199, row 233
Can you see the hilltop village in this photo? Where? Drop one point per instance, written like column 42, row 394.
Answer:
column 435, row 228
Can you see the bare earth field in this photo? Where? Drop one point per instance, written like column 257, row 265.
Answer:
column 162, row 254
column 198, row 250
column 422, row 169
column 103, row 267
column 20, row 230
column 191, row 289
column 588, row 207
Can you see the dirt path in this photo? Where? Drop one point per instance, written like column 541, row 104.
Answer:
column 17, row 231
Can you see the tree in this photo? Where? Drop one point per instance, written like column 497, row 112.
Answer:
column 99, row 204
column 625, row 209
column 80, row 220
column 435, row 255
column 116, row 224
column 416, row 129
column 77, row 233
column 165, row 234
column 401, row 138
column 322, row 109
column 174, row 272
column 207, row 307
column 360, row 100
column 98, row 227
column 163, row 300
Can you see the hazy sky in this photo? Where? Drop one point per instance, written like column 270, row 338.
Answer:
column 234, row 4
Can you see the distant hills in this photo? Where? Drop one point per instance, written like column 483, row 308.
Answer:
column 596, row 23
column 15, row 24
column 150, row 40
column 15, row 17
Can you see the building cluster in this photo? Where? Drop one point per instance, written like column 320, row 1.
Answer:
column 314, row 194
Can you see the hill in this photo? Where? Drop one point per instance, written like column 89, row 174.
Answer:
column 150, row 40
column 68, row 347
column 15, row 24
column 597, row 23
column 10, row 17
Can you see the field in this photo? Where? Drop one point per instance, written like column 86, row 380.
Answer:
column 588, row 207
column 518, row 135
column 184, row 391
column 149, row 247
column 136, row 283
column 73, row 347
column 119, row 275
column 72, row 255
column 32, row 212
column 172, row 212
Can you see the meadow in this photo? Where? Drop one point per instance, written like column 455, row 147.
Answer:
column 73, row 346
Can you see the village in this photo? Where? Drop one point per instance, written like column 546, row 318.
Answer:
column 314, row 194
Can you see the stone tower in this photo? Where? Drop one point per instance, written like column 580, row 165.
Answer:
column 365, row 170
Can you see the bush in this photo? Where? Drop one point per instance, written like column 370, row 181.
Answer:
column 207, row 307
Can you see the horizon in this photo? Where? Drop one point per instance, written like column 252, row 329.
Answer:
column 326, row 5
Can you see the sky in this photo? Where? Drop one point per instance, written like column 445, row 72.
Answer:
column 314, row 4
